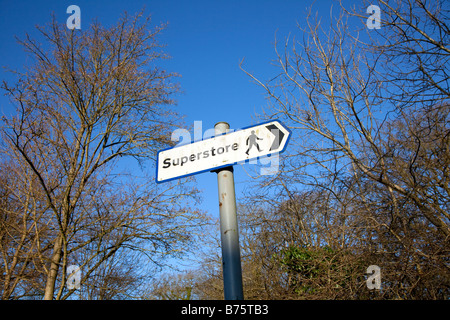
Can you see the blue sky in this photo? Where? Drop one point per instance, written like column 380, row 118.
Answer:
column 206, row 40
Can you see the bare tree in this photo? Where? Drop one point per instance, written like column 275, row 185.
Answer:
column 23, row 234
column 370, row 114
column 92, row 101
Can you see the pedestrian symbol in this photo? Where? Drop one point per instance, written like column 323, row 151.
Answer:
column 252, row 138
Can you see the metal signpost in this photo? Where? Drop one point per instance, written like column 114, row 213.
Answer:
column 219, row 154
column 229, row 234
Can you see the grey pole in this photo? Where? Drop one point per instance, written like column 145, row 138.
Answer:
column 229, row 234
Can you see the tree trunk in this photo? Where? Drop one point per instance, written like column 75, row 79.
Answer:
column 54, row 267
